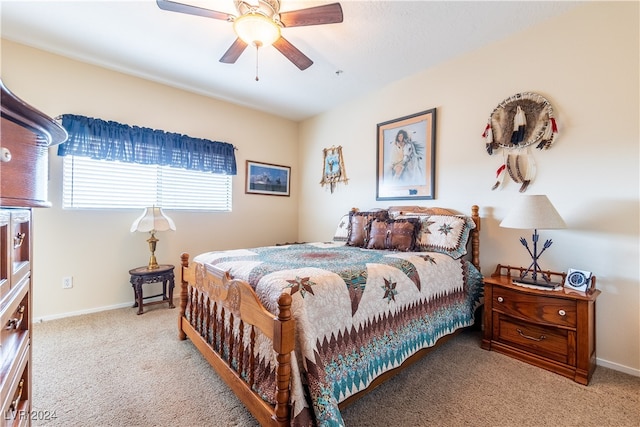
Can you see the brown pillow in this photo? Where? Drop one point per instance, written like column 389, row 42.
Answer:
column 397, row 235
column 378, row 235
column 359, row 226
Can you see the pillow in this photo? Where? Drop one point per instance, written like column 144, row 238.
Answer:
column 342, row 231
column 446, row 234
column 359, row 226
column 397, row 235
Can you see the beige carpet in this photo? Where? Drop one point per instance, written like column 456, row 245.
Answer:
column 115, row 368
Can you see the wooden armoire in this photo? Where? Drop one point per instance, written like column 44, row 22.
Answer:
column 25, row 137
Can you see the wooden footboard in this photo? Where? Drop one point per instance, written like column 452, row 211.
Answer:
column 207, row 290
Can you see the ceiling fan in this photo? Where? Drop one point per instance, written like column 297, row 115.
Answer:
column 259, row 23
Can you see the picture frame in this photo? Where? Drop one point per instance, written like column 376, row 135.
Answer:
column 406, row 157
column 267, row 178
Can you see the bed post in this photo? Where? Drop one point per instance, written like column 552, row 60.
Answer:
column 475, row 237
column 184, row 261
column 283, row 344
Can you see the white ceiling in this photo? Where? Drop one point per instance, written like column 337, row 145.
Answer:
column 378, row 42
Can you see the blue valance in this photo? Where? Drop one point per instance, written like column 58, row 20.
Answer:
column 107, row 140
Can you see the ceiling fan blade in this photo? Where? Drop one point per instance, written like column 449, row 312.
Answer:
column 233, row 53
column 325, row 14
column 292, row 53
column 193, row 10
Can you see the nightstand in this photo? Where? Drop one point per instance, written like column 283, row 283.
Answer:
column 142, row 275
column 551, row 329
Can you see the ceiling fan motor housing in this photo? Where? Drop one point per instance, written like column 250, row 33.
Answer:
column 268, row 8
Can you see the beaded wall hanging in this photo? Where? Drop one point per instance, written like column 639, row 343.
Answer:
column 515, row 125
column 333, row 170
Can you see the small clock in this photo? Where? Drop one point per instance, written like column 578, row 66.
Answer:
column 578, row 279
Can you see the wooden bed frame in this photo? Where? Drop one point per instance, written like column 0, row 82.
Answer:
column 208, row 287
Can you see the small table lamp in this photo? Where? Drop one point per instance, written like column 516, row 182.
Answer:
column 153, row 219
column 534, row 212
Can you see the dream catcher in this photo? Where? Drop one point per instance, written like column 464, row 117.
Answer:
column 333, row 168
column 515, row 125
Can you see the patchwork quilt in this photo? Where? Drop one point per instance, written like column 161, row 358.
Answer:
column 358, row 312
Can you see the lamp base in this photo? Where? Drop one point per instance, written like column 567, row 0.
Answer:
column 153, row 264
column 534, row 268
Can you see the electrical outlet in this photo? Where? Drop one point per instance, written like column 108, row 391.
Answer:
column 67, row 282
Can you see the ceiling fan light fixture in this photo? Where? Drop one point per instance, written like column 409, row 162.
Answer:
column 256, row 29
column 259, row 23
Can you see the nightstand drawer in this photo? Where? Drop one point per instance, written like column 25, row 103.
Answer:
column 536, row 308
column 549, row 342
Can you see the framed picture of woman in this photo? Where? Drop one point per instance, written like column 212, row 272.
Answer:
column 406, row 157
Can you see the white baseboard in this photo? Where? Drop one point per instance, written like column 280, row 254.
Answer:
column 80, row 312
column 618, row 367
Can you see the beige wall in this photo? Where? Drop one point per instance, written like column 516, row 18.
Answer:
column 586, row 64
column 96, row 247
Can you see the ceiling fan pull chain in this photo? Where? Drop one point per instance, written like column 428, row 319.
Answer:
column 257, row 49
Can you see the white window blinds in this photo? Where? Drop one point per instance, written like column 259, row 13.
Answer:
column 103, row 184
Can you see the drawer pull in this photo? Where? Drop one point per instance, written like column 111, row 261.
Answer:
column 18, row 239
column 5, row 155
column 562, row 312
column 530, row 337
column 500, row 299
column 14, row 404
column 16, row 321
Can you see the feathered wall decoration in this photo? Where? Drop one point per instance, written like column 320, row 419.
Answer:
column 517, row 123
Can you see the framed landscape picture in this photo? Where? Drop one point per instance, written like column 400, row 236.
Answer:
column 406, row 157
column 265, row 178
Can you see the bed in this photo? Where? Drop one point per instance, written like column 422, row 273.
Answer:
column 300, row 331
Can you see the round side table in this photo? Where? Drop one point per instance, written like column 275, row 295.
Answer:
column 142, row 275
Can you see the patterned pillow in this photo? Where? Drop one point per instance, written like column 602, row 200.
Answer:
column 447, row 234
column 342, row 231
column 359, row 226
column 397, row 235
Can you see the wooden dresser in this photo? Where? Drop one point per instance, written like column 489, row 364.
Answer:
column 552, row 329
column 25, row 136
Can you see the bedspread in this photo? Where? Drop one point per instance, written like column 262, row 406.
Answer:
column 358, row 312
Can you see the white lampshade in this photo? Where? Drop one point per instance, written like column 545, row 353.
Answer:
column 256, row 29
column 153, row 219
column 533, row 212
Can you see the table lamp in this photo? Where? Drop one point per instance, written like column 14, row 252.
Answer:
column 534, row 212
column 152, row 220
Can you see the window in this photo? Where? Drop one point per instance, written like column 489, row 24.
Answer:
column 103, row 184
column 111, row 165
